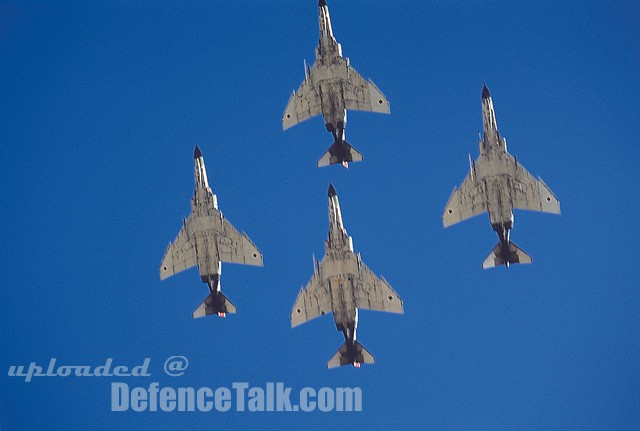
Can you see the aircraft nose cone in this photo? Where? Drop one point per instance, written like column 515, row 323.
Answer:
column 196, row 153
column 332, row 191
column 485, row 92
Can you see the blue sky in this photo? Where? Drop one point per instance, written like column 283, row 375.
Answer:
column 103, row 103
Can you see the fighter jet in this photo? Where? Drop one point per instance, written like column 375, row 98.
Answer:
column 341, row 284
column 497, row 183
column 331, row 87
column 207, row 239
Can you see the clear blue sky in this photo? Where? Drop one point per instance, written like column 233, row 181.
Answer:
column 102, row 104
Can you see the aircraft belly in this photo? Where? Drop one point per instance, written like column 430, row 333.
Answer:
column 339, row 272
column 332, row 72
column 342, row 300
column 339, row 268
column 206, row 253
column 499, row 200
column 333, row 109
column 486, row 168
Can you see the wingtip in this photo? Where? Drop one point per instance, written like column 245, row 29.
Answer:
column 485, row 92
column 197, row 153
column 332, row 191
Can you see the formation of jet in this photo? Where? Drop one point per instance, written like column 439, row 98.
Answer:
column 331, row 86
column 341, row 284
column 497, row 183
column 207, row 239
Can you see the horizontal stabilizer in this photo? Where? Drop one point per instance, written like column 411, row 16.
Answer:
column 339, row 152
column 496, row 258
column 358, row 355
column 215, row 303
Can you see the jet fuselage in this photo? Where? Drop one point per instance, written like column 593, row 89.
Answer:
column 493, row 172
column 340, row 272
column 209, row 266
column 329, row 72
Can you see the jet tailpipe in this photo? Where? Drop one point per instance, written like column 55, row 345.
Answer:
column 340, row 152
column 506, row 255
column 354, row 354
column 215, row 303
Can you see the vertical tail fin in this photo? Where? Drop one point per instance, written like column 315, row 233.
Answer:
column 356, row 356
column 215, row 303
column 340, row 152
column 496, row 258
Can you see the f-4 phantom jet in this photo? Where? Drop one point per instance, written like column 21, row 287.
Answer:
column 341, row 284
column 207, row 239
column 497, row 183
column 329, row 88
